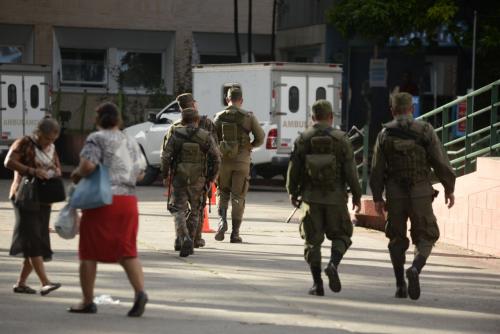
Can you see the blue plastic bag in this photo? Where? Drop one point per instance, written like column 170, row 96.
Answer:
column 93, row 191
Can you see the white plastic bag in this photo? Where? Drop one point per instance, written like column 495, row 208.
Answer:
column 68, row 222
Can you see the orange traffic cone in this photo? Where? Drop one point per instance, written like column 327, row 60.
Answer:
column 213, row 199
column 206, row 226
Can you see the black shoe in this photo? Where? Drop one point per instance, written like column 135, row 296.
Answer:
column 219, row 236
column 23, row 289
column 186, row 247
column 198, row 243
column 401, row 292
column 413, row 283
column 139, row 305
column 333, row 277
column 317, row 290
column 89, row 308
column 46, row 289
column 235, row 239
column 177, row 244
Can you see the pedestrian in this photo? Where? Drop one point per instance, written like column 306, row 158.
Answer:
column 234, row 126
column 405, row 151
column 190, row 160
column 33, row 157
column 187, row 100
column 109, row 234
column 320, row 169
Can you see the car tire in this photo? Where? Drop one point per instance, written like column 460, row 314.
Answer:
column 150, row 176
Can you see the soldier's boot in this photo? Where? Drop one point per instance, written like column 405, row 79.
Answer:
column 317, row 288
column 332, row 272
column 222, row 227
column 398, row 262
column 186, row 246
column 235, row 234
column 199, row 243
column 412, row 274
column 177, row 244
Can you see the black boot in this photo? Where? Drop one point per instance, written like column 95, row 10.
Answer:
column 317, row 288
column 177, row 244
column 398, row 262
column 186, row 247
column 235, row 234
column 412, row 274
column 222, row 227
column 332, row 272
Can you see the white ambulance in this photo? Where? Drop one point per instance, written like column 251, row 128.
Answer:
column 24, row 100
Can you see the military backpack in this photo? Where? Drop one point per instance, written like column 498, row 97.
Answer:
column 191, row 147
column 234, row 135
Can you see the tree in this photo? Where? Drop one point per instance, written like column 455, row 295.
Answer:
column 236, row 34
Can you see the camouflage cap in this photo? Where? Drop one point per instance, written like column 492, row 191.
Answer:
column 185, row 100
column 321, row 109
column 234, row 93
column 189, row 113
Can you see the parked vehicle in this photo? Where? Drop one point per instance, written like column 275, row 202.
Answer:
column 279, row 94
column 24, row 100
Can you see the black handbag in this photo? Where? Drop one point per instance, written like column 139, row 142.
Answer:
column 27, row 195
column 51, row 190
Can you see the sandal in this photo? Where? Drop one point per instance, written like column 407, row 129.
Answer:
column 23, row 289
column 46, row 289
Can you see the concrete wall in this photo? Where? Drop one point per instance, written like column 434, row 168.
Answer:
column 474, row 221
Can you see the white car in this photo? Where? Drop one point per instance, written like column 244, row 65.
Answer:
column 149, row 135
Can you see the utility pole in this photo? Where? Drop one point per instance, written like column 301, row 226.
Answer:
column 249, row 31
column 474, row 51
column 273, row 32
column 236, row 34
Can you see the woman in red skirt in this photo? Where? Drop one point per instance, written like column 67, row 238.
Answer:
column 109, row 233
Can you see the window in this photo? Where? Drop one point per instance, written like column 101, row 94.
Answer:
column 293, row 99
column 12, row 96
column 34, row 91
column 139, row 69
column 225, row 88
column 83, row 67
column 11, row 54
column 320, row 93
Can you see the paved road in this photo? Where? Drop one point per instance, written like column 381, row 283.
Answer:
column 256, row 287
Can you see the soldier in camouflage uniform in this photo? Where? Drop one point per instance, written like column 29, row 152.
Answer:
column 405, row 151
column 187, row 152
column 186, row 100
column 321, row 166
column 234, row 126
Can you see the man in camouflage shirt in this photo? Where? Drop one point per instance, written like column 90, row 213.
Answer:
column 405, row 151
column 320, row 169
column 187, row 152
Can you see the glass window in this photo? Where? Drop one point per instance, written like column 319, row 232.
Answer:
column 12, row 96
column 225, row 88
column 320, row 93
column 139, row 69
column 11, row 54
column 83, row 67
column 293, row 99
column 34, row 96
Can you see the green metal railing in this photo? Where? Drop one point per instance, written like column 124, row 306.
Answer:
column 477, row 139
column 359, row 140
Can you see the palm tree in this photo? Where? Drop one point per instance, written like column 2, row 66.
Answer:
column 249, row 31
column 273, row 31
column 236, row 35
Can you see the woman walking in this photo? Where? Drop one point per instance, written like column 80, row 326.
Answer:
column 33, row 157
column 109, row 233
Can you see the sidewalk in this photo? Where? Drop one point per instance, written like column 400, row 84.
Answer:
column 259, row 286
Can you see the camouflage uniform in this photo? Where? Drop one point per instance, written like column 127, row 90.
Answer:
column 205, row 123
column 234, row 173
column 324, row 204
column 188, row 190
column 405, row 151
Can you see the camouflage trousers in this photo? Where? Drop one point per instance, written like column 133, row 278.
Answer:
column 186, row 197
column 424, row 230
column 233, row 185
column 320, row 220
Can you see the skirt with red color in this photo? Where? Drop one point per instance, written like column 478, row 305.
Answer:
column 109, row 233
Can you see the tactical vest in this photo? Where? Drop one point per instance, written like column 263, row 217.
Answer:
column 406, row 156
column 323, row 159
column 235, row 136
column 191, row 148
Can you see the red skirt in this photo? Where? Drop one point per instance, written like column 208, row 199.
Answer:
column 109, row 233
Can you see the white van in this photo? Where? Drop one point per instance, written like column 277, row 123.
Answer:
column 24, row 100
column 279, row 94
